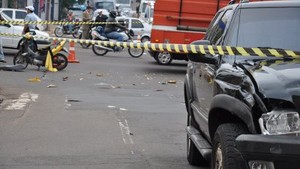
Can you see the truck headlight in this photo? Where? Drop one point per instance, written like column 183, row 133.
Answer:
column 280, row 122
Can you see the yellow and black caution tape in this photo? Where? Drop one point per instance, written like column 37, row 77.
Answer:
column 54, row 22
column 182, row 48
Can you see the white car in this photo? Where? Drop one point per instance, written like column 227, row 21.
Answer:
column 13, row 42
column 139, row 27
column 19, row 15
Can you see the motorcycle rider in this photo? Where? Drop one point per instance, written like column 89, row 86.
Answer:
column 111, row 29
column 70, row 18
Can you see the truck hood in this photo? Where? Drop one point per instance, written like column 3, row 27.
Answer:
column 278, row 80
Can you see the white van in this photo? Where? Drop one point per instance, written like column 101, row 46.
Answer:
column 19, row 15
column 109, row 5
column 144, row 4
column 147, row 14
column 124, row 4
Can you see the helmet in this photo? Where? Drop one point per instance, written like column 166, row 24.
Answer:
column 113, row 14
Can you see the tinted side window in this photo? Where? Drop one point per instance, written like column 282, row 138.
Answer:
column 20, row 14
column 218, row 27
column 137, row 24
column 8, row 13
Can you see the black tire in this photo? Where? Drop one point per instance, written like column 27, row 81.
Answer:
column 163, row 58
column 193, row 155
column 224, row 147
column 20, row 60
column 85, row 45
column 135, row 52
column 98, row 51
column 76, row 33
column 59, row 31
column 145, row 39
column 59, row 61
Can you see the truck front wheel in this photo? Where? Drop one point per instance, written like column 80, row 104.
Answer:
column 163, row 58
column 225, row 155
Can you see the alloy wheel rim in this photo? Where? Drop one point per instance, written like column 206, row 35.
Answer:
column 164, row 57
column 59, row 31
column 136, row 51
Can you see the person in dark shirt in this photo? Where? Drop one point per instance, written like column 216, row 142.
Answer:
column 101, row 18
column 111, row 29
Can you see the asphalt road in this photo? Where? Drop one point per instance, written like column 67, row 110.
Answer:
column 113, row 111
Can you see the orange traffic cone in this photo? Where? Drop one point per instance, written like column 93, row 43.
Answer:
column 71, row 57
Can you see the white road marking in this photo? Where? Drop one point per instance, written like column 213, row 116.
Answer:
column 123, row 109
column 22, row 101
column 125, row 132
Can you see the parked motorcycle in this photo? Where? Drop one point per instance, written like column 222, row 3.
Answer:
column 27, row 56
column 100, row 50
column 64, row 29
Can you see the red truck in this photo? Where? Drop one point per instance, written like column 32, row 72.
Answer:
column 181, row 22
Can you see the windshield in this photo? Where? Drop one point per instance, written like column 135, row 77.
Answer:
column 104, row 5
column 267, row 27
column 123, row 1
column 144, row 5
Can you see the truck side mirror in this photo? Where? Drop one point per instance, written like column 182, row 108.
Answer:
column 203, row 58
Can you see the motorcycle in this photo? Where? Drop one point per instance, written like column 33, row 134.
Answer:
column 64, row 29
column 100, row 50
column 27, row 56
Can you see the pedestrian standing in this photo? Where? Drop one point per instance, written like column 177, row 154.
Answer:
column 29, row 17
column 138, row 9
column 2, row 58
column 86, row 17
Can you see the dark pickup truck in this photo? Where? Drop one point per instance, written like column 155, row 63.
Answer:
column 243, row 112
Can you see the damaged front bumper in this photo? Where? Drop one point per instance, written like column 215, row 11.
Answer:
column 270, row 152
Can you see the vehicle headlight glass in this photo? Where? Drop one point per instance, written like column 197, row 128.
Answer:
column 280, row 122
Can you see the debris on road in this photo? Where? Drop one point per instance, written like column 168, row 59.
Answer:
column 51, row 86
column 172, row 81
column 106, row 86
column 73, row 100
column 65, row 78
column 99, row 74
column 35, row 79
